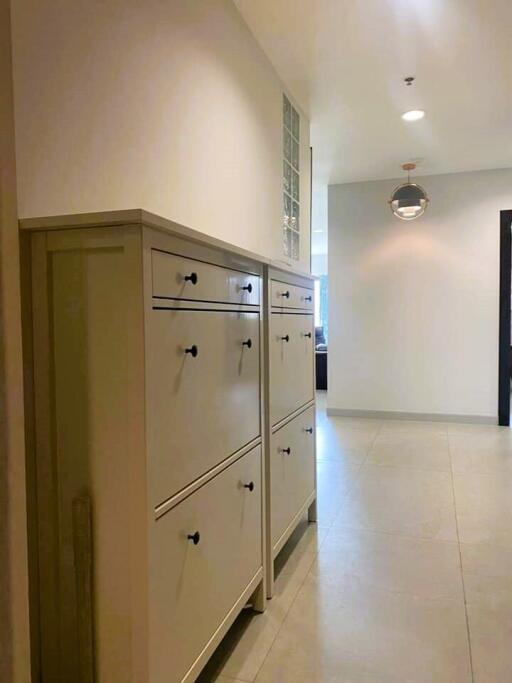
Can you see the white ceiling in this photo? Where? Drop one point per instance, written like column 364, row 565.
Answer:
column 344, row 61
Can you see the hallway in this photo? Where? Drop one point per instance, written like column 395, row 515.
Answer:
column 412, row 552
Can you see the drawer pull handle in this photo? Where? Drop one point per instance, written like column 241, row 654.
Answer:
column 191, row 278
column 286, row 338
column 249, row 486
column 285, row 294
column 307, row 334
column 247, row 343
column 308, row 298
column 193, row 350
column 309, row 430
column 195, row 537
column 247, row 288
column 286, row 450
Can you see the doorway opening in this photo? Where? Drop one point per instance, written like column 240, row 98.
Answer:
column 319, row 211
column 505, row 351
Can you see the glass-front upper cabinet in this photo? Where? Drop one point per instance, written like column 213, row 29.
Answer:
column 291, row 180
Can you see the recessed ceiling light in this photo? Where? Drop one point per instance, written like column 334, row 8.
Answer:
column 413, row 115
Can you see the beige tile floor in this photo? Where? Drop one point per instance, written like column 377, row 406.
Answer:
column 407, row 577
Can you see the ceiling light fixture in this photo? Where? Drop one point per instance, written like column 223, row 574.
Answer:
column 413, row 115
column 409, row 200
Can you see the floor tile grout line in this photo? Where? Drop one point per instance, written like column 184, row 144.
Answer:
column 235, row 680
column 281, row 623
column 468, row 631
column 404, row 593
column 399, row 534
column 370, row 447
column 308, row 572
column 284, row 617
column 347, row 492
column 358, row 472
column 406, row 467
column 278, row 631
column 346, row 495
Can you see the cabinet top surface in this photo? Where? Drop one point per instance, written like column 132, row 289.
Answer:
column 126, row 217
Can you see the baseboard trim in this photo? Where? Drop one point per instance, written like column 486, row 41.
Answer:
column 419, row 417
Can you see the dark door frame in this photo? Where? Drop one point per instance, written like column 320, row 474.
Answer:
column 505, row 303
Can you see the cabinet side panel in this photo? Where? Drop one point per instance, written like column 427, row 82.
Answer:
column 96, row 416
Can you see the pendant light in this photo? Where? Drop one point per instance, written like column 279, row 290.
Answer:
column 409, row 200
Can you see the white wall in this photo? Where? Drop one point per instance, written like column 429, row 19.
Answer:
column 169, row 106
column 319, row 226
column 319, row 264
column 413, row 307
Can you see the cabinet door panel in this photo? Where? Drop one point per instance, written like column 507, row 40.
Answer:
column 195, row 585
column 203, row 393
column 291, row 363
column 292, row 474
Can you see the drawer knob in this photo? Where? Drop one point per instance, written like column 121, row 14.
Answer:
column 193, row 350
column 309, row 430
column 286, row 450
column 247, row 343
column 308, row 298
column 191, row 278
column 307, row 334
column 286, row 338
column 247, row 288
column 195, row 537
column 285, row 294
column 249, row 486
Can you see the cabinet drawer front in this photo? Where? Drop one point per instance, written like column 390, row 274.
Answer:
column 284, row 295
column 291, row 363
column 176, row 277
column 204, row 403
column 193, row 587
column 292, row 474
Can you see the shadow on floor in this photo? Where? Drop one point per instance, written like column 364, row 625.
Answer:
column 241, row 624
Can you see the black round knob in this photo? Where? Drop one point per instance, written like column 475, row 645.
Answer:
column 248, row 288
column 247, row 343
column 195, row 537
column 191, row 278
column 309, row 430
column 286, row 338
column 193, row 350
column 307, row 334
column 249, row 486
column 286, row 294
column 308, row 298
column 286, row 450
